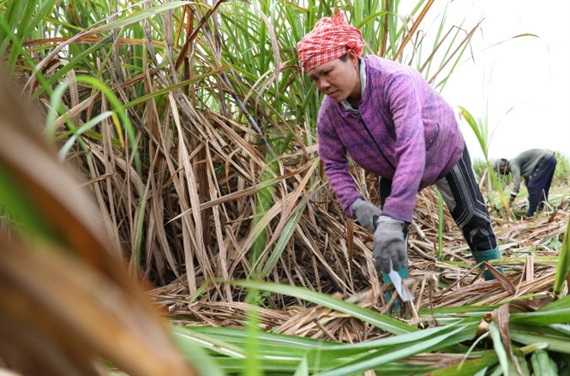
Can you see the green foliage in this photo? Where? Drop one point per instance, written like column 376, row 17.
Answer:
column 481, row 129
column 562, row 172
column 279, row 354
column 563, row 269
column 440, row 229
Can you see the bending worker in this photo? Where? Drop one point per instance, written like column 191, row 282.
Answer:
column 386, row 117
column 537, row 167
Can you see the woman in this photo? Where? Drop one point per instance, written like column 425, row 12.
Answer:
column 389, row 121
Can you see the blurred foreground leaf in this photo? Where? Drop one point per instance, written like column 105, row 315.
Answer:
column 67, row 299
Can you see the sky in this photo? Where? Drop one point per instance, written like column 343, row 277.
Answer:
column 521, row 86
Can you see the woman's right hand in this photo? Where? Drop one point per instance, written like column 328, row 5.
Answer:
column 366, row 213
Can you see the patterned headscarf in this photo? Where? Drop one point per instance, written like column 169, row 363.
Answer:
column 331, row 38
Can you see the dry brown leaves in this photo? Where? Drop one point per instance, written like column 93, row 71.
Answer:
column 527, row 260
column 67, row 297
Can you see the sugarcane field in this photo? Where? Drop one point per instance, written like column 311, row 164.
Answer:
column 278, row 187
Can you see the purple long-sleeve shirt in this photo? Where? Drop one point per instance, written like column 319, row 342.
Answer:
column 413, row 125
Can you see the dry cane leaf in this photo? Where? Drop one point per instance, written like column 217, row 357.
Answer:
column 80, row 244
column 501, row 318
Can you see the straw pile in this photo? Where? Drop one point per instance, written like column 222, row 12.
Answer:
column 528, row 260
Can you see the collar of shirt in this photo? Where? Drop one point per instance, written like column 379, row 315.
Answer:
column 345, row 103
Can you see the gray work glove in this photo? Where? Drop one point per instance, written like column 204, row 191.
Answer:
column 366, row 213
column 390, row 244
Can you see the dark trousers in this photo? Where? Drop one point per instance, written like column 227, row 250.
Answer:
column 465, row 202
column 538, row 185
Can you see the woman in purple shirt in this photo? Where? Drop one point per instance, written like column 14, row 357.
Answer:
column 385, row 117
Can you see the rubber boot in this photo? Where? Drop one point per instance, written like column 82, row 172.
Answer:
column 491, row 254
column 403, row 272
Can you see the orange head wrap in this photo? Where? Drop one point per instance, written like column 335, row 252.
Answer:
column 331, row 38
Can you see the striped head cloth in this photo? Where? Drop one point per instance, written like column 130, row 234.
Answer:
column 331, row 38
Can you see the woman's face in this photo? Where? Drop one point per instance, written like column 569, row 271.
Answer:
column 338, row 79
